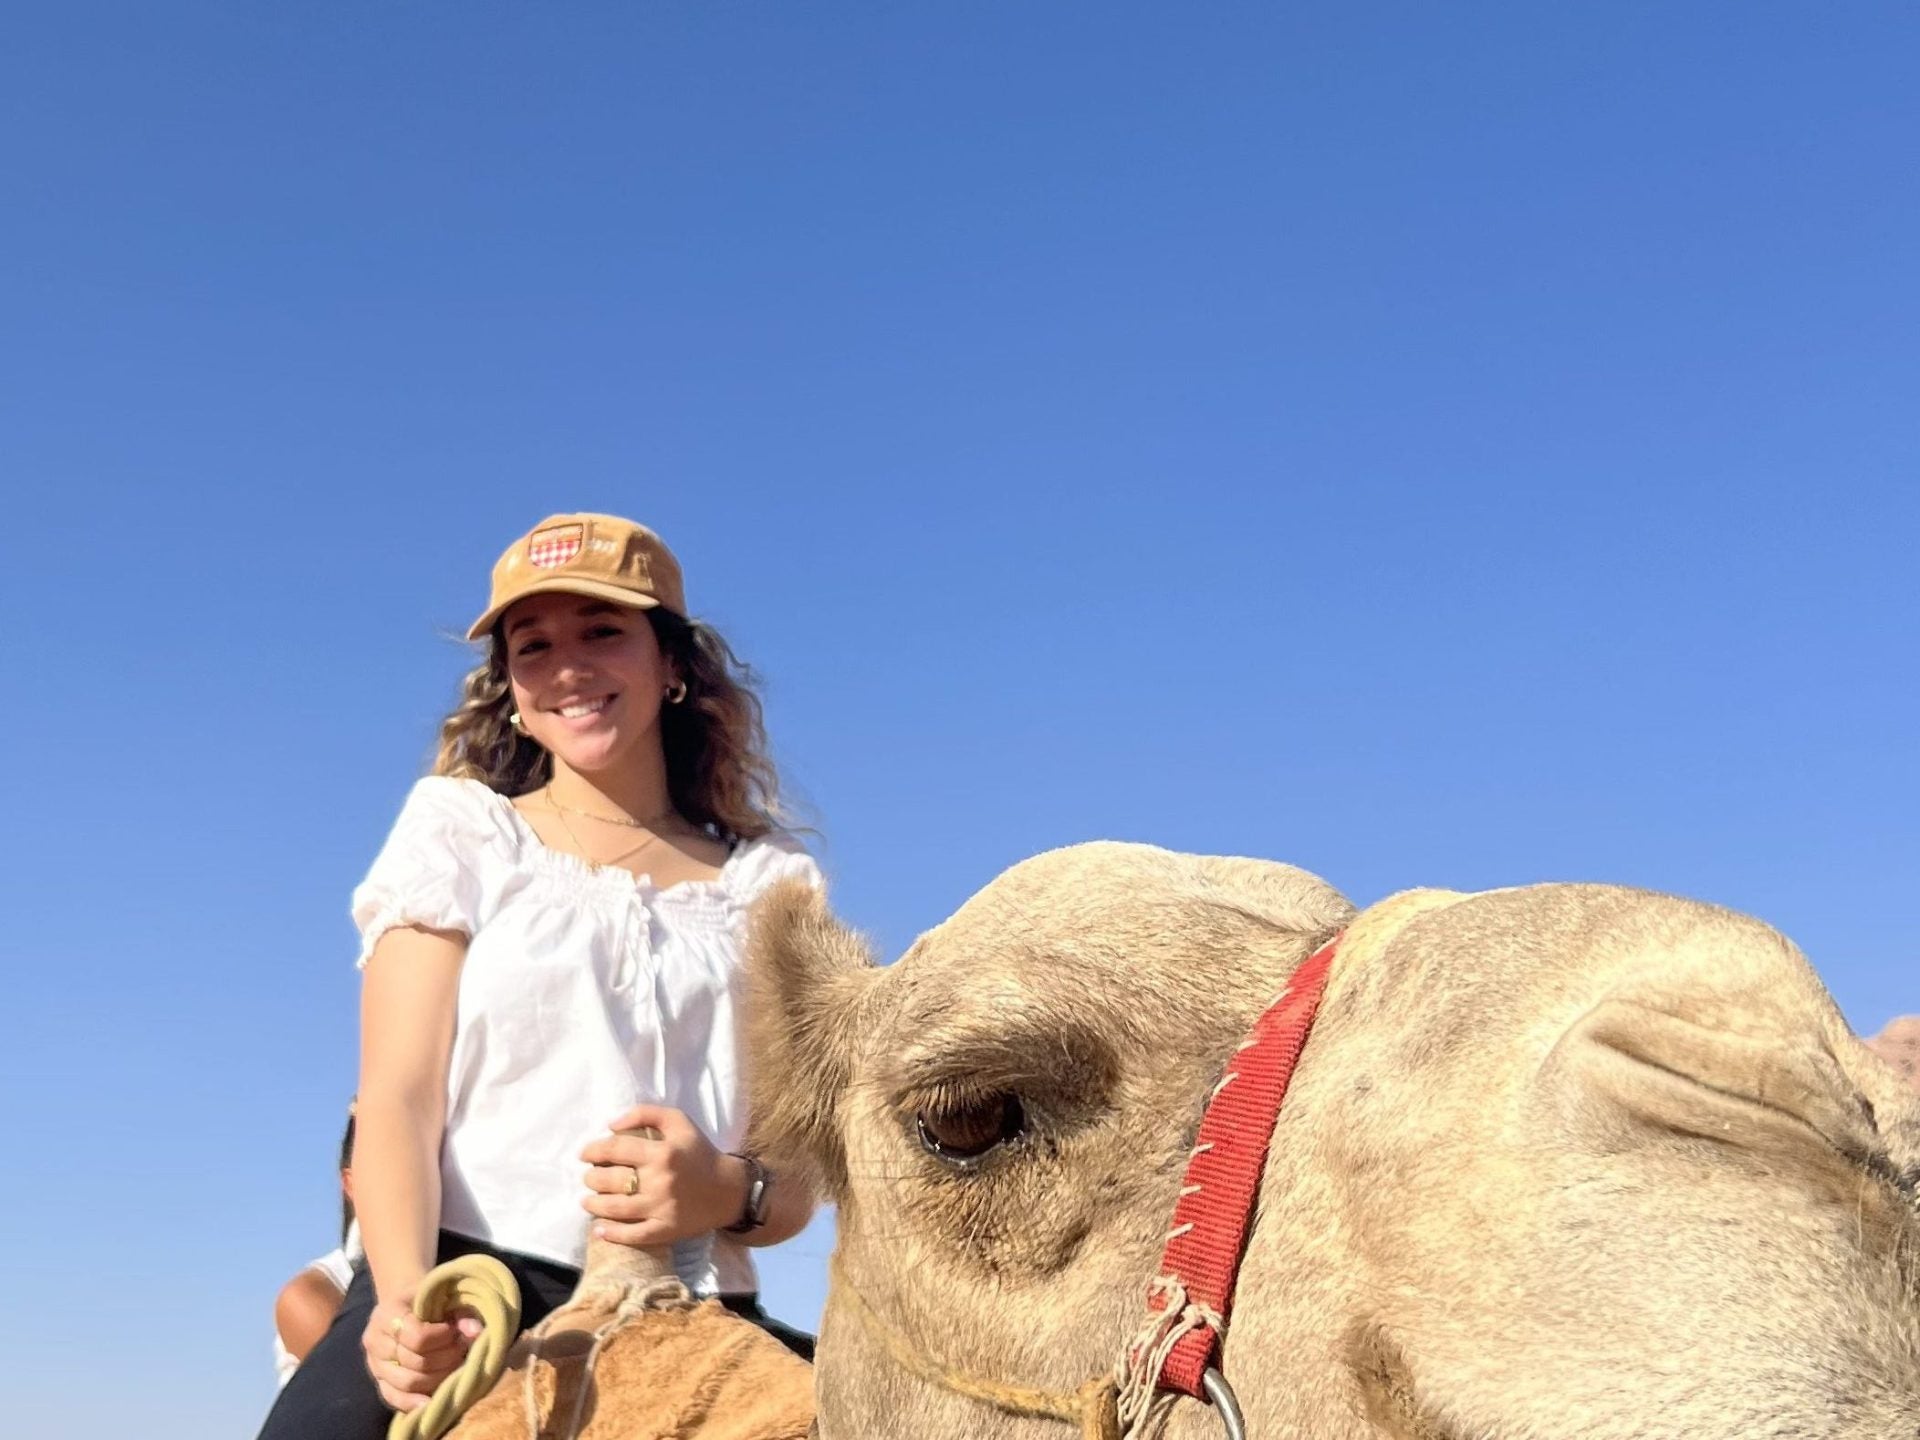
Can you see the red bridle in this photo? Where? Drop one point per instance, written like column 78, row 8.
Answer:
column 1191, row 1298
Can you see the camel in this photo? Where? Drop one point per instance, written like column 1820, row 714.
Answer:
column 1557, row 1161
column 630, row 1356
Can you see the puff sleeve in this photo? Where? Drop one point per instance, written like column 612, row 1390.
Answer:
column 437, row 867
column 774, row 857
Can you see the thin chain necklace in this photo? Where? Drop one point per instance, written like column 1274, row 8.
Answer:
column 580, row 845
column 626, row 821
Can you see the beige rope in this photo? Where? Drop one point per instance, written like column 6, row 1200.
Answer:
column 472, row 1282
column 1142, row 1403
column 1094, row 1406
column 1127, row 1406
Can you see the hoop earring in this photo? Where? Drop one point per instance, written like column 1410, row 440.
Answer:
column 676, row 692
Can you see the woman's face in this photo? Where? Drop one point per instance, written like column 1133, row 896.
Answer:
column 588, row 677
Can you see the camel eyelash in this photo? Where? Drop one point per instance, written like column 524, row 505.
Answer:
column 968, row 1127
column 952, row 1097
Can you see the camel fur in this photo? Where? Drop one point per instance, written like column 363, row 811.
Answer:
column 668, row 1367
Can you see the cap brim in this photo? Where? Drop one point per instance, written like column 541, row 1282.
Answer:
column 562, row 585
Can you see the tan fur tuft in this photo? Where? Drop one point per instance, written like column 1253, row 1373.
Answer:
column 1379, row 925
column 806, row 975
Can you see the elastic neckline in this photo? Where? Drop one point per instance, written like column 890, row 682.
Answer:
column 617, row 874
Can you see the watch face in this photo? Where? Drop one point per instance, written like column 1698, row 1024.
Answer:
column 757, row 1195
column 753, row 1213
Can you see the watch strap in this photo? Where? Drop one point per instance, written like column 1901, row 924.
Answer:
column 753, row 1210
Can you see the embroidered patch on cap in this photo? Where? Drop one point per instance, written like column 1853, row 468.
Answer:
column 555, row 547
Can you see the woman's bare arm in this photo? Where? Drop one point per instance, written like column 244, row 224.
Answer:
column 406, row 1041
column 305, row 1308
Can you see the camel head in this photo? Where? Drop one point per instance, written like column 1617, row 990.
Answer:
column 1565, row 1160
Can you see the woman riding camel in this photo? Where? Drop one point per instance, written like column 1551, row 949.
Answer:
column 550, row 937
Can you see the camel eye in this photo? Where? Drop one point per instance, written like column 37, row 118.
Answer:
column 965, row 1129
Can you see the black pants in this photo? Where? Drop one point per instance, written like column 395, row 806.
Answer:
column 332, row 1397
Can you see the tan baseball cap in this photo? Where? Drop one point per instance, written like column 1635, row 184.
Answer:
column 599, row 555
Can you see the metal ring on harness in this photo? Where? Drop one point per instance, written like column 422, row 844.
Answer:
column 1220, row 1395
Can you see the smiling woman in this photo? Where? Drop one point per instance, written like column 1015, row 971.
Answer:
column 715, row 769
column 550, row 937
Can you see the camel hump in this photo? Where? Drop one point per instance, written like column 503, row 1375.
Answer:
column 1899, row 1045
column 1378, row 925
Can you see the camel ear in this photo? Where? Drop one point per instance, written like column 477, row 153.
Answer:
column 1283, row 895
column 808, row 978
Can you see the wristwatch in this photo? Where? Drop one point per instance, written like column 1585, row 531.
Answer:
column 753, row 1214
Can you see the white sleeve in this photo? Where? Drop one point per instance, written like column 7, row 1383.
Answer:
column 436, row 868
column 775, row 857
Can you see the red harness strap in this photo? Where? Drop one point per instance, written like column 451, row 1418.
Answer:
column 1215, row 1210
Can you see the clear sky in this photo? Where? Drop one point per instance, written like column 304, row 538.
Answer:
column 1431, row 445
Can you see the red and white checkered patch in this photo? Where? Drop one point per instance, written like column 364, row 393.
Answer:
column 555, row 547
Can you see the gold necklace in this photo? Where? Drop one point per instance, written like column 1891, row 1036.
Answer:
column 585, row 854
column 626, row 821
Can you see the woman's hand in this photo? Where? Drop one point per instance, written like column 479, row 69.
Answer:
column 409, row 1357
column 653, row 1192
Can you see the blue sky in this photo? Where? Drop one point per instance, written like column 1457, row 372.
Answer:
column 1431, row 446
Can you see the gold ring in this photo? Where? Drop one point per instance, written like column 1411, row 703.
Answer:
column 395, row 1326
column 633, row 1180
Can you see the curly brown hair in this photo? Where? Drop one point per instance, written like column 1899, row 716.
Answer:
column 719, row 776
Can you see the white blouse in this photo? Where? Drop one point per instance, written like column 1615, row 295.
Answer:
column 584, row 991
